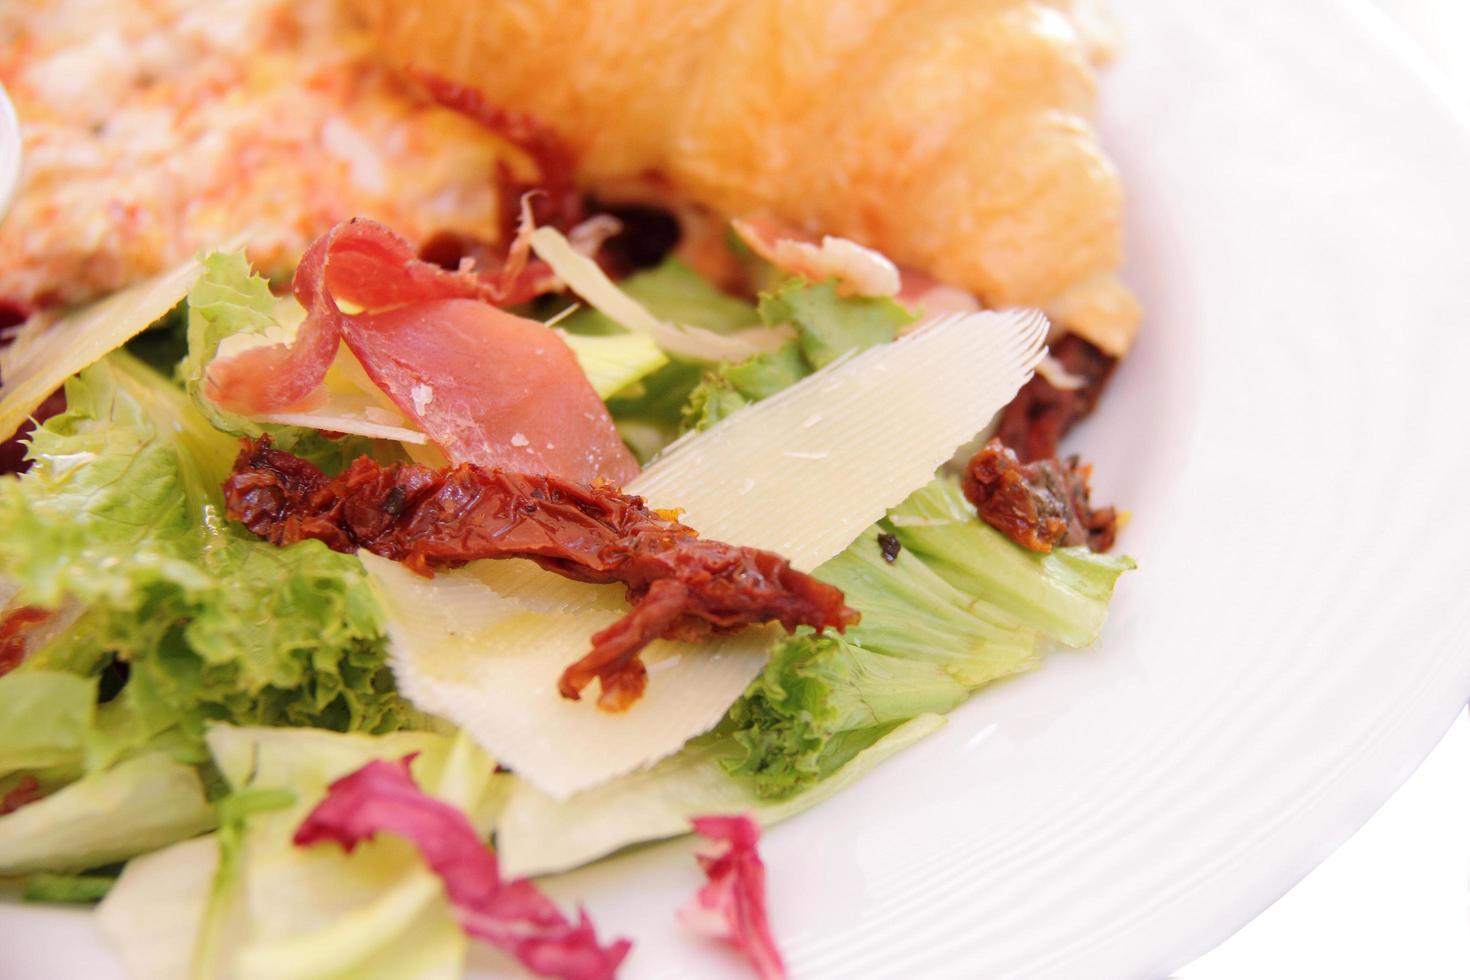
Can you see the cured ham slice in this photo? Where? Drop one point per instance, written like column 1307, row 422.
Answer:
column 487, row 387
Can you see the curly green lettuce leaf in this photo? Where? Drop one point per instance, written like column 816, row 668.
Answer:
column 265, row 636
column 45, row 718
column 250, row 903
column 729, row 388
column 958, row 607
column 109, row 479
column 1062, row 594
column 134, row 807
column 827, row 325
column 799, row 718
column 120, row 514
column 231, row 306
column 228, row 300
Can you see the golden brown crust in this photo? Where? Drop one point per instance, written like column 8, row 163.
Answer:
column 954, row 135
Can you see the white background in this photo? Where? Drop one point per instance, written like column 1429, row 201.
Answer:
column 1394, row 901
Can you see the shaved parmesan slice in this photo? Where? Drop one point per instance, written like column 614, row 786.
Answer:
column 538, row 835
column 804, row 472
column 490, row 664
column 859, row 270
column 586, row 278
column 1057, row 375
column 46, row 353
column 352, row 404
column 334, row 417
column 801, row 473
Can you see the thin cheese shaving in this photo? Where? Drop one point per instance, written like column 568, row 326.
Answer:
column 861, row 270
column 45, row 354
column 884, row 421
column 1057, row 375
column 484, row 646
column 490, row 663
column 329, row 419
column 585, row 278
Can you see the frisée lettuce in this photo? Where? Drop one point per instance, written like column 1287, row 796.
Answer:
column 827, row 326
column 936, row 625
column 207, row 680
column 139, row 805
column 120, row 513
column 648, row 413
column 249, row 903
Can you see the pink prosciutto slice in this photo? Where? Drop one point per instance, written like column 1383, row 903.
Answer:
column 488, row 387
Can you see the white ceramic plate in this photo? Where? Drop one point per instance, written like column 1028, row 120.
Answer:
column 1293, row 438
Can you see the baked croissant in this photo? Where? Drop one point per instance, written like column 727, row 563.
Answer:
column 955, row 136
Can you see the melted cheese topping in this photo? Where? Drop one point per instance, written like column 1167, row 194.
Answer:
column 153, row 130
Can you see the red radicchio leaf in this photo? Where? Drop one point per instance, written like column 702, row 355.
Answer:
column 513, row 916
column 732, row 906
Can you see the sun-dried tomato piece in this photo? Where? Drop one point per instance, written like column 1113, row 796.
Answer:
column 15, row 628
column 26, row 790
column 1038, row 505
column 1037, row 418
column 681, row 586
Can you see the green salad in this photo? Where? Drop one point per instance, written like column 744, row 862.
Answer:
column 188, row 706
